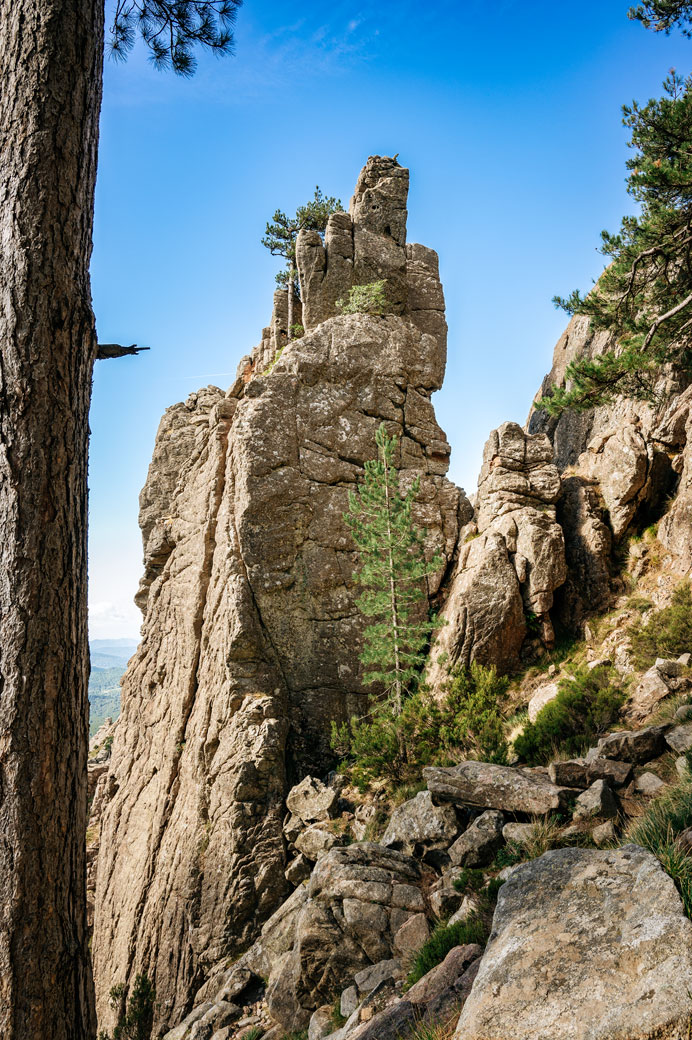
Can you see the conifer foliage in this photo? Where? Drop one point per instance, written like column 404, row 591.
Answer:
column 392, row 575
column 664, row 15
column 172, row 28
column 644, row 297
column 281, row 234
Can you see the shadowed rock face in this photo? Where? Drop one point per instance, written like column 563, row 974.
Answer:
column 251, row 638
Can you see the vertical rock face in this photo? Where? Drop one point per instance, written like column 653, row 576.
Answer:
column 510, row 560
column 621, row 464
column 250, row 638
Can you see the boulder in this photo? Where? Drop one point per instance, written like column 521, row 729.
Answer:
column 604, row 833
column 650, row 689
column 478, row 844
column 638, row 746
column 585, row 944
column 649, row 784
column 444, row 897
column 597, row 801
column 411, row 936
column 315, row 841
column 358, row 898
column 419, row 824
column 616, row 773
column 369, row 978
column 518, row 833
column 349, row 1001
column 320, row 1023
column 298, row 869
column 542, row 696
column 571, row 773
column 486, row 786
column 434, row 1000
column 679, row 738
column 312, row 801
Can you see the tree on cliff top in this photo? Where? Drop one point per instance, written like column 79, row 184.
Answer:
column 51, row 66
column 281, row 234
column 664, row 15
column 392, row 575
column 644, row 296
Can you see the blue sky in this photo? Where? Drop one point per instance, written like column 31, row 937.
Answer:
column 508, row 116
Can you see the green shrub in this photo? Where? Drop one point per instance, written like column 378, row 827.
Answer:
column 668, row 632
column 137, row 1021
column 468, row 723
column 365, row 299
column 584, row 709
column 386, row 746
column 472, row 719
column 443, row 939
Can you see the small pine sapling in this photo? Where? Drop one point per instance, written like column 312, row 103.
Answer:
column 392, row 575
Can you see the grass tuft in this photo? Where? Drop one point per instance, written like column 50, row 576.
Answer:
column 658, row 829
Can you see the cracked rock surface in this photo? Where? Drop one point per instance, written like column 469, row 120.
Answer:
column 251, row 636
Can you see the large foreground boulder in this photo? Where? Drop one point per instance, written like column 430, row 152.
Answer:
column 586, row 945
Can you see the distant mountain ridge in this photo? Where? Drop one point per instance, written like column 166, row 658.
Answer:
column 109, row 659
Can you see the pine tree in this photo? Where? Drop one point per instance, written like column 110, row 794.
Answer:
column 51, row 70
column 392, row 575
column 281, row 234
column 664, row 15
column 644, row 297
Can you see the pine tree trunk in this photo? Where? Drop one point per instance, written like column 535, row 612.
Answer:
column 51, row 74
column 291, row 284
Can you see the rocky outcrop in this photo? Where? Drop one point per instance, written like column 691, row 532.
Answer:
column 251, row 636
column 584, row 944
column 511, row 558
column 621, row 464
column 358, row 900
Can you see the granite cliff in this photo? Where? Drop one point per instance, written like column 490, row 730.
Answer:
column 250, row 636
column 250, row 644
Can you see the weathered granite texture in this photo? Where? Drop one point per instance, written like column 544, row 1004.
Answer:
column 251, row 636
column 585, row 945
column 511, row 560
column 621, row 464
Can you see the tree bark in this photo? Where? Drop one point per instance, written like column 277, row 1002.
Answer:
column 51, row 55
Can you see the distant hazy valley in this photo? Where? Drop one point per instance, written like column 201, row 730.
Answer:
column 109, row 659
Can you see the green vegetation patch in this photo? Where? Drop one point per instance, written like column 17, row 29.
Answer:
column 668, row 632
column 658, row 829
column 136, row 1021
column 469, row 723
column 365, row 299
column 585, row 708
column 443, row 939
